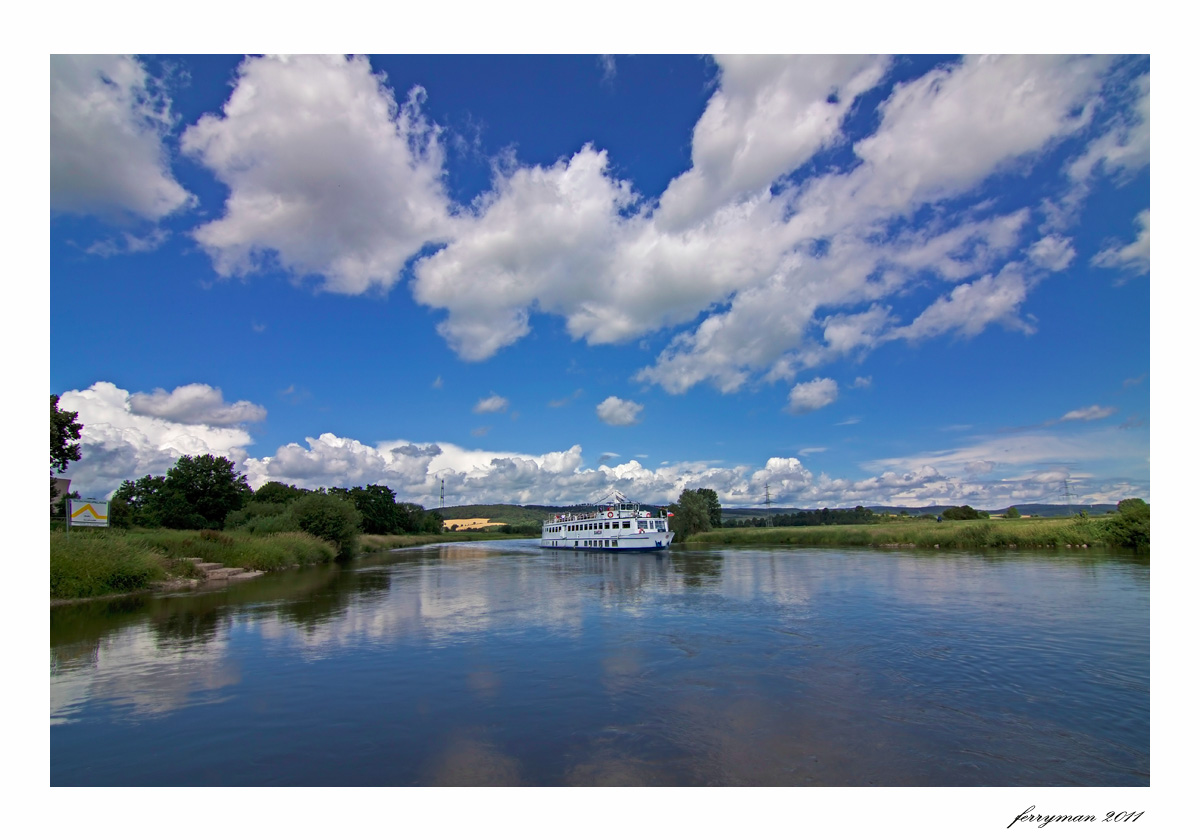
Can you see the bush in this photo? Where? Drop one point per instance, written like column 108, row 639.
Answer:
column 522, row 530
column 262, row 518
column 1130, row 528
column 328, row 518
column 278, row 551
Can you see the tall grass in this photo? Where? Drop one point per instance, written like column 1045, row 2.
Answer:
column 241, row 549
column 93, row 562
column 922, row 533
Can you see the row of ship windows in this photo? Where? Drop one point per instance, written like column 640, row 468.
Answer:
column 626, row 523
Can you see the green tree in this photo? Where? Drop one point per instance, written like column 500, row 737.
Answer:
column 1130, row 528
column 64, row 430
column 328, row 518
column 413, row 519
column 277, row 491
column 60, row 506
column 1133, row 507
column 149, row 503
column 432, row 522
column 691, row 514
column 118, row 513
column 1012, row 513
column 211, row 487
column 963, row 512
column 714, row 506
column 377, row 505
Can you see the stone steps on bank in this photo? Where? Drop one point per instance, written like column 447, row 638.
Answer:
column 220, row 572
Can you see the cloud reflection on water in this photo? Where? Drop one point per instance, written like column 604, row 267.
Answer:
column 506, row 665
column 132, row 668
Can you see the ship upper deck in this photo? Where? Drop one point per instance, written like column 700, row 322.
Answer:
column 620, row 510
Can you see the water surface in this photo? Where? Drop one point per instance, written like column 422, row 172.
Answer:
column 502, row 663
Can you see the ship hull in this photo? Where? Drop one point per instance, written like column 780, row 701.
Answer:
column 661, row 542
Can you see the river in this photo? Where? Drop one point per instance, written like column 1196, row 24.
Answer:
column 504, row 664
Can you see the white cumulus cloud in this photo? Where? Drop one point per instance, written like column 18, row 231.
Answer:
column 327, row 174
column 969, row 308
column 196, row 403
column 618, row 412
column 944, row 132
column 1133, row 257
column 810, row 396
column 1053, row 252
column 491, row 405
column 108, row 122
column 780, row 261
column 939, row 138
column 1125, row 147
column 118, row 443
column 770, row 114
column 1092, row 412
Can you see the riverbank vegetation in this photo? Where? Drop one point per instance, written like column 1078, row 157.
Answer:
column 1129, row 528
column 203, row 510
column 91, row 562
column 207, row 492
column 698, row 518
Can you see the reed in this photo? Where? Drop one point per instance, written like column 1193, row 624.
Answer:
column 265, row 552
column 93, row 562
column 921, row 533
column 89, row 563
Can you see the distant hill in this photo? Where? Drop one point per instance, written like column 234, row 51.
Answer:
column 754, row 513
column 508, row 514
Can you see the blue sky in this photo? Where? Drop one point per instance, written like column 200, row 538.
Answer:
column 860, row 280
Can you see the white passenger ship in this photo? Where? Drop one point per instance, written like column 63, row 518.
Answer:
column 616, row 524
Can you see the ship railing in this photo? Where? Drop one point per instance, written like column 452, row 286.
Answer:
column 618, row 512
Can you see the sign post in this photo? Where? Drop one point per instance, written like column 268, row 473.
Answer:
column 87, row 512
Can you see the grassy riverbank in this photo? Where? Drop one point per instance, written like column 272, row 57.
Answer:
column 923, row 533
column 94, row 562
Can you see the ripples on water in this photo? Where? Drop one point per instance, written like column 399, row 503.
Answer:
column 492, row 664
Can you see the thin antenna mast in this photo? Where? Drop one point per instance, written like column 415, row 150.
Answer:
column 769, row 504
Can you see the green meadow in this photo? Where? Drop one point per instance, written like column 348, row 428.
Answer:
column 924, row 533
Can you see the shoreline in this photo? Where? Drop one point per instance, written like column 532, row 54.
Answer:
column 139, row 563
column 198, row 576
column 1074, row 533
